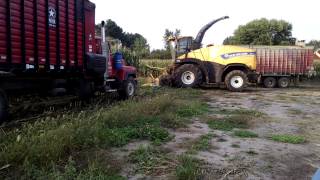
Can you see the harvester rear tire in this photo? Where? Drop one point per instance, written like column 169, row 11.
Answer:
column 187, row 76
column 270, row 82
column 236, row 81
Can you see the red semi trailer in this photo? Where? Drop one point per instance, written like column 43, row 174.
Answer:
column 50, row 46
column 277, row 66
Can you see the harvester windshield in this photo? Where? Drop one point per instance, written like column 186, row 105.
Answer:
column 180, row 46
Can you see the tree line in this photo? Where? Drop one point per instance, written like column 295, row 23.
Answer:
column 257, row 32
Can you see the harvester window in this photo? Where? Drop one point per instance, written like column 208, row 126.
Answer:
column 184, row 45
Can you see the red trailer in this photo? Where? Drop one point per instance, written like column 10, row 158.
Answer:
column 279, row 65
column 50, row 46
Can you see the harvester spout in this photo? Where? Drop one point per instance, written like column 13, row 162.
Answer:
column 202, row 32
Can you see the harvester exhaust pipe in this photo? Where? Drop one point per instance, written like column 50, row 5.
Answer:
column 198, row 41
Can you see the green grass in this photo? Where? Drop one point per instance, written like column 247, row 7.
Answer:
column 97, row 168
column 51, row 142
column 235, row 146
column 251, row 113
column 201, row 144
column 286, row 138
column 252, row 153
column 229, row 123
column 147, row 159
column 188, row 168
column 233, row 119
column 245, row 134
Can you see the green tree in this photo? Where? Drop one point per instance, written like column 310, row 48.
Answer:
column 140, row 46
column 167, row 34
column 133, row 41
column 315, row 43
column 263, row 32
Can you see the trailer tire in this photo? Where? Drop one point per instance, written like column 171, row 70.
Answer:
column 284, row 82
column 4, row 106
column 85, row 90
column 236, row 81
column 128, row 89
column 270, row 82
column 187, row 76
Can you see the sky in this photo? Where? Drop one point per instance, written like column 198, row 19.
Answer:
column 150, row 18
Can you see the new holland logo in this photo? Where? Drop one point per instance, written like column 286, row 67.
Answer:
column 237, row 54
column 52, row 14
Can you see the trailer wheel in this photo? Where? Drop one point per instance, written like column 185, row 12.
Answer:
column 85, row 91
column 3, row 107
column 284, row 82
column 128, row 89
column 236, row 81
column 270, row 82
column 187, row 76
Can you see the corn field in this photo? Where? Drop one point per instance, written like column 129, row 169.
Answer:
column 154, row 67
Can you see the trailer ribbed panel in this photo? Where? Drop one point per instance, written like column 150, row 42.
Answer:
column 3, row 32
column 284, row 61
column 45, row 34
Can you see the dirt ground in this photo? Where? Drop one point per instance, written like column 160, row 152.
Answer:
column 293, row 111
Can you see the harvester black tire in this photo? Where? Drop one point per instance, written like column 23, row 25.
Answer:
column 4, row 106
column 165, row 80
column 270, row 82
column 187, row 76
column 128, row 90
column 284, row 82
column 236, row 81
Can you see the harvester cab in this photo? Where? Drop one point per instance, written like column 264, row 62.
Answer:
column 180, row 46
column 211, row 66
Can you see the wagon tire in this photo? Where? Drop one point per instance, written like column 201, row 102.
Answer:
column 85, row 91
column 284, row 82
column 4, row 106
column 270, row 82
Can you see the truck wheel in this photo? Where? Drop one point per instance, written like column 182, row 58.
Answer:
column 85, row 91
column 283, row 82
column 3, row 108
column 270, row 82
column 128, row 90
column 187, row 76
column 236, row 81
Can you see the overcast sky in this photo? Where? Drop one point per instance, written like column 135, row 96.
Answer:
column 151, row 17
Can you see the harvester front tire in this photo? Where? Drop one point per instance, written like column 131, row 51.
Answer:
column 236, row 81
column 187, row 76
